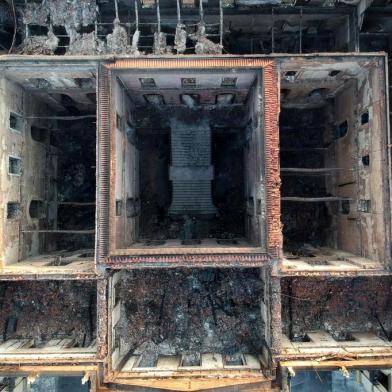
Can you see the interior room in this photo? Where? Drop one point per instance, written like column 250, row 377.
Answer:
column 335, row 192
column 48, row 190
column 187, row 160
column 348, row 316
column 47, row 318
column 194, row 320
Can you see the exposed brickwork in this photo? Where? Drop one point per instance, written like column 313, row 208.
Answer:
column 203, row 260
column 272, row 167
column 103, row 163
column 200, row 63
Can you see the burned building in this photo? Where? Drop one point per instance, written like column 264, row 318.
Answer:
column 195, row 195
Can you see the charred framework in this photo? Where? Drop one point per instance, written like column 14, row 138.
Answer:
column 207, row 220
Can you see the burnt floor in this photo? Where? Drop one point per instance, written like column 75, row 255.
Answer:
column 338, row 306
column 190, row 312
column 45, row 310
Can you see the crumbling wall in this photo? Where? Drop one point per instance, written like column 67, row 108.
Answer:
column 61, row 13
column 72, row 29
column 80, row 22
column 206, row 37
column 73, row 16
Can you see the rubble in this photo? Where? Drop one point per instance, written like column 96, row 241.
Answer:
column 48, row 310
column 338, row 306
column 191, row 311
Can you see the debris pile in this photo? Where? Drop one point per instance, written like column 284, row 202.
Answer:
column 191, row 311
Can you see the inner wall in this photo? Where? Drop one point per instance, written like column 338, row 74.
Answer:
column 48, row 310
column 193, row 148
column 338, row 306
column 190, row 312
column 331, row 159
column 50, row 177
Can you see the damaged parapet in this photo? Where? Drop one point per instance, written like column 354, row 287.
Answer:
column 203, row 44
column 160, row 47
column 85, row 44
column 61, row 13
column 72, row 16
column 44, row 44
column 117, row 42
column 191, row 172
column 70, row 27
column 180, row 38
column 135, row 43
